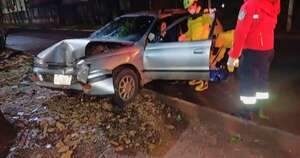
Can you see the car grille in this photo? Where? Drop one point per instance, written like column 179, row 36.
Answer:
column 48, row 77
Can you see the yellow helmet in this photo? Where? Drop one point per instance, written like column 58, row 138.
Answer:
column 188, row 3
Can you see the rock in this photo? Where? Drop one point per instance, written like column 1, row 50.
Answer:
column 41, row 97
column 169, row 115
column 137, row 144
column 47, row 120
column 63, row 149
column 170, row 127
column 61, row 127
column 127, row 141
column 151, row 146
column 107, row 106
column 179, row 118
column 12, row 149
column 119, row 148
column 14, row 88
column 20, row 113
column 25, row 83
column 67, row 154
column 114, row 143
column 48, row 146
column 132, row 133
column 51, row 130
column 108, row 127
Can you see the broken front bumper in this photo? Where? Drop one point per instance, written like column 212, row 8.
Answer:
column 97, row 83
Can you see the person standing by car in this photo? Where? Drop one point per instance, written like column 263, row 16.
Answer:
column 254, row 45
column 198, row 29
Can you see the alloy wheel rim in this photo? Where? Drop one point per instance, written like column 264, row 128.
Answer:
column 126, row 87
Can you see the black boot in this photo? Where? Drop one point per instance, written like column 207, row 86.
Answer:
column 259, row 109
column 244, row 113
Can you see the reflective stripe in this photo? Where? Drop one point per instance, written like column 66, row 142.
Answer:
column 248, row 100
column 262, row 95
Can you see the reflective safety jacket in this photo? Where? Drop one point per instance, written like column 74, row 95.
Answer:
column 255, row 26
column 198, row 28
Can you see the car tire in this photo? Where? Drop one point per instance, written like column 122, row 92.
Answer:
column 126, row 83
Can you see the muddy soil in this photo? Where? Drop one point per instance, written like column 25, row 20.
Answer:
column 52, row 124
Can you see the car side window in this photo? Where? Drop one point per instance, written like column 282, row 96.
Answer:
column 159, row 31
column 172, row 33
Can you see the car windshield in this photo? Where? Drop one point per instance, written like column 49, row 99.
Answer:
column 125, row 29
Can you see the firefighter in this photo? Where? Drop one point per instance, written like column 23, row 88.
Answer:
column 198, row 29
column 254, row 45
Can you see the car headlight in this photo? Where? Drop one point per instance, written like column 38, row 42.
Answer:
column 39, row 61
column 69, row 70
column 83, row 73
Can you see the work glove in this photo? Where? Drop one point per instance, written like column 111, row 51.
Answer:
column 182, row 38
column 232, row 63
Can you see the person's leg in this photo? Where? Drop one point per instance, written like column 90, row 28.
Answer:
column 247, row 76
column 262, row 93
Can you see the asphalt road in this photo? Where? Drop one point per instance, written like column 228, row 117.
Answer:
column 283, row 109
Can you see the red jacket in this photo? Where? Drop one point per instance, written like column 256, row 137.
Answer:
column 255, row 26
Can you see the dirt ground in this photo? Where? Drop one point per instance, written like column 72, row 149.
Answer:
column 52, row 124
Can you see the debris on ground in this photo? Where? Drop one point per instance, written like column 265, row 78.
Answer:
column 14, row 67
column 235, row 139
column 53, row 124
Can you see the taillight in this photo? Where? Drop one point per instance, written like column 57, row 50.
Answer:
column 34, row 78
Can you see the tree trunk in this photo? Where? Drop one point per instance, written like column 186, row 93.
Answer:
column 290, row 16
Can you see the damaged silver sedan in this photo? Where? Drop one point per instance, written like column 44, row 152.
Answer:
column 123, row 56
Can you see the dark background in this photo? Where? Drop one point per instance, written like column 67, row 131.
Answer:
column 98, row 12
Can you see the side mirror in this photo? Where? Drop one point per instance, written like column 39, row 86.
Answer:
column 151, row 37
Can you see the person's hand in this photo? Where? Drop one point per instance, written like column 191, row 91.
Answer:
column 232, row 63
column 182, row 38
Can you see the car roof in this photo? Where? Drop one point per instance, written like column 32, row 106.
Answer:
column 161, row 14
column 144, row 13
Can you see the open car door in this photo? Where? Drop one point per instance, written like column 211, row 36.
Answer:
column 179, row 60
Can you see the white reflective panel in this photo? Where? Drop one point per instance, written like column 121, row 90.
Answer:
column 248, row 100
column 262, row 95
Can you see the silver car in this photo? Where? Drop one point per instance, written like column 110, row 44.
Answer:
column 124, row 55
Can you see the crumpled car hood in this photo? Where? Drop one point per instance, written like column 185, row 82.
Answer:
column 65, row 52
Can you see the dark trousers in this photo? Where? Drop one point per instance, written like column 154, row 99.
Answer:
column 254, row 71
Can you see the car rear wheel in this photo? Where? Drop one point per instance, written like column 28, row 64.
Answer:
column 126, row 83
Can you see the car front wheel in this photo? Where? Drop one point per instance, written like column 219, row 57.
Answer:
column 126, row 83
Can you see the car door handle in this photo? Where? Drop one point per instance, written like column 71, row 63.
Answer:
column 199, row 51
